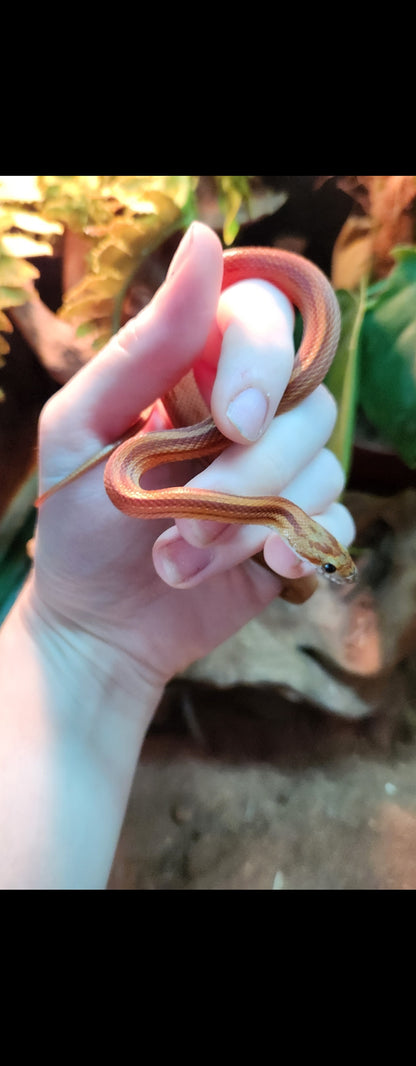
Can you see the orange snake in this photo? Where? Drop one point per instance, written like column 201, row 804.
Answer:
column 305, row 285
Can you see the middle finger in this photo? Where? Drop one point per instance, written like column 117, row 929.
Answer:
column 270, row 464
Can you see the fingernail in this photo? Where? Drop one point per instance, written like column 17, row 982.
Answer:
column 248, row 412
column 179, row 561
column 182, row 251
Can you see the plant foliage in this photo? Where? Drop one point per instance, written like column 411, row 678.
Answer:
column 23, row 230
column 375, row 366
column 388, row 363
column 343, row 376
column 124, row 218
column 140, row 220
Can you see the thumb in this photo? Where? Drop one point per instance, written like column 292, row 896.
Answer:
column 145, row 358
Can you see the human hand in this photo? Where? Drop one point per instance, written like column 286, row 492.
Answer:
column 165, row 596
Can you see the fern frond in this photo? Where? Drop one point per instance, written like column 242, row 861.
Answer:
column 22, row 234
column 145, row 218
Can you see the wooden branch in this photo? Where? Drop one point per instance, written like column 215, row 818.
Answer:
column 53, row 341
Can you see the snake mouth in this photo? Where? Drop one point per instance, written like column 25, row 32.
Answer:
column 337, row 579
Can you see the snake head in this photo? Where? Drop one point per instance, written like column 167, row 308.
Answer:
column 346, row 570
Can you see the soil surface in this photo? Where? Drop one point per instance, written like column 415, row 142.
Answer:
column 243, row 789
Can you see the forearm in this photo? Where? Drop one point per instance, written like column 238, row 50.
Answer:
column 74, row 713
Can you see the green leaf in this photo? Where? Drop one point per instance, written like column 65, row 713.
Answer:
column 15, row 566
column 234, row 190
column 101, row 339
column 16, row 528
column 12, row 297
column 342, row 377
column 387, row 348
column 85, row 328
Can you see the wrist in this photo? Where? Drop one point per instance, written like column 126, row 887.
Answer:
column 74, row 715
column 83, row 656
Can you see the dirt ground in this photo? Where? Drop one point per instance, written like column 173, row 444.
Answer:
column 243, row 789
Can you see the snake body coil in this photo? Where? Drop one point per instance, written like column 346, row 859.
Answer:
column 307, row 288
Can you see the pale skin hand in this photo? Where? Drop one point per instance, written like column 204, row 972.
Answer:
column 93, row 564
column 116, row 606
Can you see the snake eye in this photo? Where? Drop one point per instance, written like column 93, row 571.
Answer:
column 329, row 568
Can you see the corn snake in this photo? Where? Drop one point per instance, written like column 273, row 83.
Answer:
column 195, row 435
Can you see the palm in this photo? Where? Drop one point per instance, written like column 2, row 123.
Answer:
column 98, row 563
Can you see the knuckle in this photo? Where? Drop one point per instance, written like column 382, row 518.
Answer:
column 333, row 470
column 329, row 405
column 45, row 416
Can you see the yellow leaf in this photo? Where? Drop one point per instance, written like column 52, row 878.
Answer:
column 145, row 219
column 176, row 187
column 138, row 205
column 6, row 219
column 90, row 306
column 5, row 323
column 21, row 188
column 352, row 253
column 16, row 271
column 145, row 201
column 92, row 287
column 109, row 261
column 33, row 223
column 20, row 246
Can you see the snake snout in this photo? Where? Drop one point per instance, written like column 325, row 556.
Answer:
column 340, row 579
